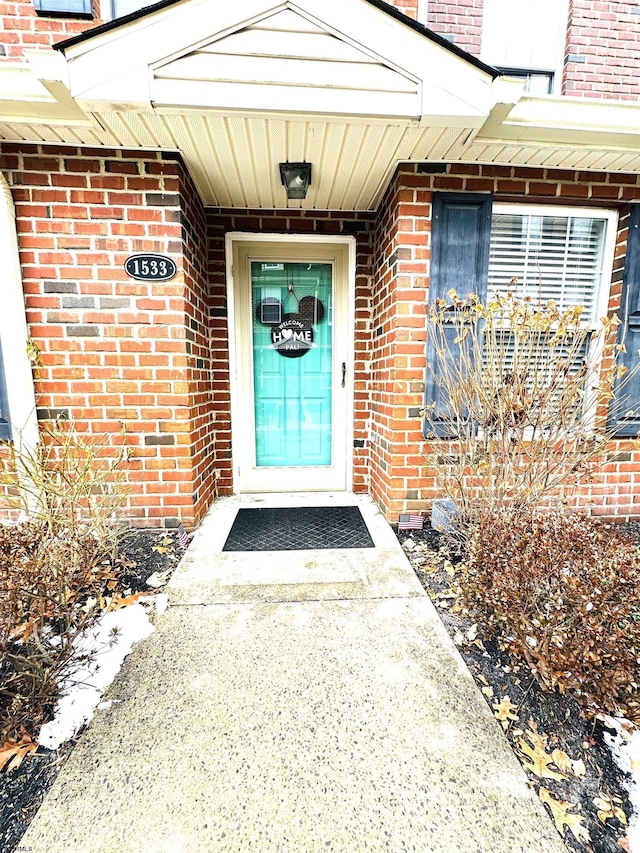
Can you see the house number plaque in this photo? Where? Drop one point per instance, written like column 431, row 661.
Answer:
column 150, row 267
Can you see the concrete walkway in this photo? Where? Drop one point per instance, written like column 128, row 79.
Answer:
column 297, row 702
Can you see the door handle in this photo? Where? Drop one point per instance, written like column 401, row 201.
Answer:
column 344, row 371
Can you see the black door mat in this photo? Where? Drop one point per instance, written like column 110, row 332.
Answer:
column 298, row 529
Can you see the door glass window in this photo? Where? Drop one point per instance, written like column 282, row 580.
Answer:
column 292, row 323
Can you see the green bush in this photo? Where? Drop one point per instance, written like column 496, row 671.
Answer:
column 562, row 592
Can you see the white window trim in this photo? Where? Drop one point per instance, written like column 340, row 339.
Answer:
column 606, row 280
column 238, row 427
column 557, row 69
column 14, row 333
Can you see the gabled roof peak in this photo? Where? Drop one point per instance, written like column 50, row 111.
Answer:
column 378, row 4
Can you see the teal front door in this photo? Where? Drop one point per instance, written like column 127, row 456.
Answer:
column 292, row 352
column 292, row 344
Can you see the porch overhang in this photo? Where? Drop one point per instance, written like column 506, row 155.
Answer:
column 337, row 83
column 239, row 88
column 575, row 133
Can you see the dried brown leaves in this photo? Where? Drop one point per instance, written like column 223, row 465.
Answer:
column 14, row 750
column 561, row 592
column 562, row 818
column 54, row 570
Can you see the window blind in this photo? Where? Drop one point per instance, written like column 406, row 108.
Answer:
column 532, row 358
column 550, row 256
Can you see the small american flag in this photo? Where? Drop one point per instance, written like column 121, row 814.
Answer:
column 183, row 536
column 410, row 522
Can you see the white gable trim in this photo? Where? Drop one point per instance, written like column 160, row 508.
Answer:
column 122, row 68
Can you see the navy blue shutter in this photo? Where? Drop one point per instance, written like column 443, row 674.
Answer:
column 5, row 425
column 460, row 233
column 629, row 332
column 68, row 8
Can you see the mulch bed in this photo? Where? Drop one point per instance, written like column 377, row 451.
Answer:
column 553, row 714
column 23, row 789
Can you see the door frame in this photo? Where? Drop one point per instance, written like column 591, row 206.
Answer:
column 231, row 239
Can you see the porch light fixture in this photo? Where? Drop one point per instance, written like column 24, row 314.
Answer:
column 296, row 178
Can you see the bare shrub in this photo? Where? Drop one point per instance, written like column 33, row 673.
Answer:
column 526, row 399
column 69, row 489
column 68, row 479
column 560, row 591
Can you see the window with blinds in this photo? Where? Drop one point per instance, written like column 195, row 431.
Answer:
column 559, row 256
column 535, row 82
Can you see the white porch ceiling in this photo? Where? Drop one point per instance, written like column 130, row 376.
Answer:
column 234, row 159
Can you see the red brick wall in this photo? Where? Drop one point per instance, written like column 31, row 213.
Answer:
column 21, row 29
column 398, row 344
column 462, row 20
column 201, row 424
column 614, row 491
column 293, row 222
column 399, row 479
column 602, row 58
column 154, row 357
column 409, row 7
column 115, row 350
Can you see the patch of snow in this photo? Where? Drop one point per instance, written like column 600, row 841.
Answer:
column 624, row 744
column 98, row 653
column 104, row 706
column 158, row 579
column 162, row 602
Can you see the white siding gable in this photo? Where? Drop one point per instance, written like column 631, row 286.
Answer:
column 284, row 62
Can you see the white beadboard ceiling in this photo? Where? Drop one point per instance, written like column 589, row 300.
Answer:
column 234, row 159
column 299, row 82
